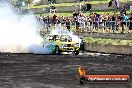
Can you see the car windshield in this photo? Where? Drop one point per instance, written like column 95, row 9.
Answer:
column 54, row 37
column 65, row 38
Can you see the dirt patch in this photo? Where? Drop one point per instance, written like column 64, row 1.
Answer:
column 52, row 71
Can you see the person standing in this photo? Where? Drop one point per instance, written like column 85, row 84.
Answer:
column 48, row 23
column 113, row 21
column 125, row 20
column 105, row 18
column 68, row 24
column 117, row 3
column 130, row 24
column 123, row 11
column 44, row 21
column 54, row 18
column 58, row 23
column 74, row 14
column 96, row 19
column 110, row 3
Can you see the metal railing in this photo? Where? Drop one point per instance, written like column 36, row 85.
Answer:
column 106, row 26
column 91, row 26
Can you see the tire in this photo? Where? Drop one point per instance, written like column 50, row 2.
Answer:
column 57, row 50
column 76, row 52
column 80, row 80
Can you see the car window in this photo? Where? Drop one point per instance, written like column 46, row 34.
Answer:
column 54, row 37
column 57, row 37
column 51, row 38
column 65, row 38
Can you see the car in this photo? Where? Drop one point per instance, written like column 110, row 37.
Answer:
column 63, row 43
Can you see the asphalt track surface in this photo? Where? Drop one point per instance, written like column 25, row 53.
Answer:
column 58, row 71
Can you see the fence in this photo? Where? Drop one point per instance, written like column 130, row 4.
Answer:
column 105, row 26
column 91, row 26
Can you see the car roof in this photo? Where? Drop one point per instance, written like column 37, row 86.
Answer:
column 58, row 34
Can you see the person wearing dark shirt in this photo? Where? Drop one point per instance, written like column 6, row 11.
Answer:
column 44, row 20
column 123, row 11
column 130, row 24
column 68, row 23
column 77, row 24
column 96, row 22
column 110, row 3
column 49, row 1
column 58, row 21
column 113, row 19
column 54, row 18
column 74, row 14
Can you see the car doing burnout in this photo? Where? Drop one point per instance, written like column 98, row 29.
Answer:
column 63, row 43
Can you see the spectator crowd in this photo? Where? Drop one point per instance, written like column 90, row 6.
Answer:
column 107, row 22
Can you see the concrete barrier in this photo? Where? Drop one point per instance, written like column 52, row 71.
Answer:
column 67, row 8
column 107, row 48
column 65, row 1
column 36, row 10
column 107, row 35
column 104, row 6
column 59, row 9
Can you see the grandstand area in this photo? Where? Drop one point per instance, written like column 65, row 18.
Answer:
column 92, row 19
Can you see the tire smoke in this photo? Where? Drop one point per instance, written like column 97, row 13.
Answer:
column 19, row 33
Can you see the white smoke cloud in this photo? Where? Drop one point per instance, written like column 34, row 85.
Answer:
column 19, row 34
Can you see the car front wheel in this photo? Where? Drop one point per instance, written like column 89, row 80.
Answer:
column 57, row 50
column 76, row 52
